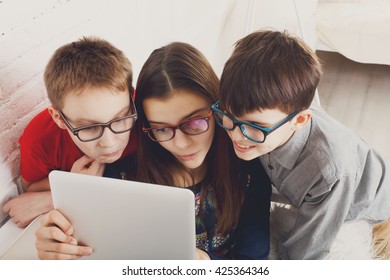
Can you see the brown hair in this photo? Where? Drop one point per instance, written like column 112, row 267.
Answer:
column 269, row 70
column 88, row 62
column 179, row 66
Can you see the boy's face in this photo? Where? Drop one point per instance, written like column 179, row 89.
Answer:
column 97, row 106
column 247, row 149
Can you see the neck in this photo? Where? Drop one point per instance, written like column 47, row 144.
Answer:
column 198, row 173
column 191, row 177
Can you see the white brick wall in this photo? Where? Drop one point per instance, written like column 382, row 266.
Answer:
column 30, row 31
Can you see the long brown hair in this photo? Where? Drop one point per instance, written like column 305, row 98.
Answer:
column 180, row 66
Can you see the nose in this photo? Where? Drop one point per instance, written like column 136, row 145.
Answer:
column 108, row 138
column 181, row 140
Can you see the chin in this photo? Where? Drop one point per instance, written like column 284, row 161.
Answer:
column 108, row 160
column 246, row 157
column 191, row 166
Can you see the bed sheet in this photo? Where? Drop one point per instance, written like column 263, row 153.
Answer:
column 358, row 29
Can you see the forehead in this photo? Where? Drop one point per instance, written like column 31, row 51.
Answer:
column 175, row 107
column 97, row 104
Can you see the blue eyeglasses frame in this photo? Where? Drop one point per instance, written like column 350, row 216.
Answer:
column 265, row 130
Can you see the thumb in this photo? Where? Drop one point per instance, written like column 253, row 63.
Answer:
column 83, row 162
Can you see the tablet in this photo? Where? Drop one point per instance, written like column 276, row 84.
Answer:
column 123, row 219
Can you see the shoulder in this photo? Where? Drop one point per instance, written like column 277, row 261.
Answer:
column 39, row 125
column 334, row 147
column 43, row 133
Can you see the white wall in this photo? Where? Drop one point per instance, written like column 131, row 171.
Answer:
column 30, row 31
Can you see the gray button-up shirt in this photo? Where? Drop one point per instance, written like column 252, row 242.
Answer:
column 332, row 176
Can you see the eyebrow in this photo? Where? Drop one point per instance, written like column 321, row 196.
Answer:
column 188, row 116
column 83, row 122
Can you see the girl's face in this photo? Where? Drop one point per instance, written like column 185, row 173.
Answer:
column 179, row 107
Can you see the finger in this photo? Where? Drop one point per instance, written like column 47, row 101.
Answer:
column 56, row 218
column 55, row 234
column 45, row 245
column 81, row 163
column 45, row 255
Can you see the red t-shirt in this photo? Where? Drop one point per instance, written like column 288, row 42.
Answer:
column 45, row 147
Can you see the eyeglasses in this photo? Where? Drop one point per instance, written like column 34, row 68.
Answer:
column 190, row 127
column 92, row 132
column 251, row 131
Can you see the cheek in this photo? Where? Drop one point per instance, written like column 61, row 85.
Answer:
column 88, row 148
column 125, row 137
column 278, row 137
column 208, row 137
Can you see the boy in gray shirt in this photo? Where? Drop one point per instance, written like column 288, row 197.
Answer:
column 330, row 174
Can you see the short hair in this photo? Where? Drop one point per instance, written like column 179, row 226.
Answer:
column 269, row 70
column 88, row 62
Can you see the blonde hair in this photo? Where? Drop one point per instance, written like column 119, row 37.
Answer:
column 381, row 235
column 88, row 62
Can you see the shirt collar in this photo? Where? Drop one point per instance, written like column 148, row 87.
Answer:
column 288, row 154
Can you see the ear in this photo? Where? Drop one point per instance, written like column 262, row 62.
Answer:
column 301, row 119
column 55, row 115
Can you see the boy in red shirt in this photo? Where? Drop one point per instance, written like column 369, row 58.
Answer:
column 87, row 126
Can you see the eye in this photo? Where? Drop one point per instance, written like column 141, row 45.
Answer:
column 162, row 130
column 196, row 124
column 91, row 129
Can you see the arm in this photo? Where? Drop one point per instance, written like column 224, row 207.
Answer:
column 41, row 185
column 54, row 239
column 27, row 206
column 319, row 220
column 84, row 165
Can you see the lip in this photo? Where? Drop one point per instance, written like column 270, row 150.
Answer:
column 113, row 154
column 242, row 148
column 188, row 157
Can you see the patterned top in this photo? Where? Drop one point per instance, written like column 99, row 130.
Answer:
column 250, row 238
